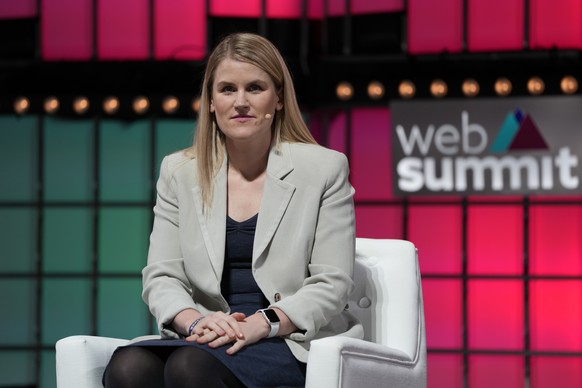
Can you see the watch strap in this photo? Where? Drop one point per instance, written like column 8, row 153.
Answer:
column 274, row 325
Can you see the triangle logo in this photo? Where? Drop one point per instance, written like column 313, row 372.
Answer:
column 518, row 132
column 528, row 137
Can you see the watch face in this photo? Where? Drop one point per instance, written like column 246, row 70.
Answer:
column 271, row 315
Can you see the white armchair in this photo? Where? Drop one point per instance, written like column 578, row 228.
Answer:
column 387, row 300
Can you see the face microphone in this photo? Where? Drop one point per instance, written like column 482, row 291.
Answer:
column 268, row 116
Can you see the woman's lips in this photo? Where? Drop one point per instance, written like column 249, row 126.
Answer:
column 242, row 119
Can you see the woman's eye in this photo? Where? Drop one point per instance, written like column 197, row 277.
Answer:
column 227, row 89
column 255, row 88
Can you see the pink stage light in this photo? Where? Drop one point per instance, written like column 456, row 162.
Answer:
column 16, row 9
column 67, row 29
column 508, row 18
column 123, row 30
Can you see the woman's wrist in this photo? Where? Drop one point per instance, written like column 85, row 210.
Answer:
column 183, row 320
column 192, row 325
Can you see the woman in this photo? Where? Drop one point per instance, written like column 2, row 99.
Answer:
column 252, row 248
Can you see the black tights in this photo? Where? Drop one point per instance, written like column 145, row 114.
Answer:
column 185, row 366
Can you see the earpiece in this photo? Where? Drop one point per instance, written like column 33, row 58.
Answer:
column 268, row 116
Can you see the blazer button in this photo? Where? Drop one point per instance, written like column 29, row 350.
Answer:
column 277, row 297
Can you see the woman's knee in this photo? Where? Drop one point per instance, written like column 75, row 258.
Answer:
column 193, row 367
column 134, row 367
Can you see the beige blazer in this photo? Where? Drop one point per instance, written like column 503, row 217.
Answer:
column 303, row 252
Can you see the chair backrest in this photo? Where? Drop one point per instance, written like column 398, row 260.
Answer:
column 387, row 298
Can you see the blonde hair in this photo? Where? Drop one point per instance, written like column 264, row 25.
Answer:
column 288, row 124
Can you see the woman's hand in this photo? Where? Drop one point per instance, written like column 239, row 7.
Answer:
column 254, row 328
column 218, row 325
column 217, row 330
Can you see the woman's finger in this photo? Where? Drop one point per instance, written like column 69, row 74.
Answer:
column 220, row 341
column 236, row 346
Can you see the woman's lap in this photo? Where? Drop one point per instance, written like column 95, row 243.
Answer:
column 267, row 363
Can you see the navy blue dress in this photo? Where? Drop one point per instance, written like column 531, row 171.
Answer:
column 267, row 363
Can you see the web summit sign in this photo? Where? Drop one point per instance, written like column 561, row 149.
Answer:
column 488, row 146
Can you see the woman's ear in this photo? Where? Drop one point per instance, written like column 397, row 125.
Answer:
column 211, row 107
column 279, row 105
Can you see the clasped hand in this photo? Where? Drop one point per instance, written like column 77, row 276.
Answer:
column 219, row 329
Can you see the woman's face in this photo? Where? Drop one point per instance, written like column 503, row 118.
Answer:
column 242, row 97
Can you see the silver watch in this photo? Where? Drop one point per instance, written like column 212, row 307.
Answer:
column 272, row 319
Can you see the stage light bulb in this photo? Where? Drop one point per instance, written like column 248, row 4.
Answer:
column 438, row 88
column 503, row 86
column 406, row 89
column 376, row 90
column 141, row 104
column 111, row 105
column 21, row 105
column 81, row 105
column 170, row 104
column 344, row 91
column 196, row 104
column 51, row 105
column 535, row 86
column 569, row 85
column 470, row 87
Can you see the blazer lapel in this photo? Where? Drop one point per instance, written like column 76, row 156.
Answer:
column 213, row 223
column 276, row 197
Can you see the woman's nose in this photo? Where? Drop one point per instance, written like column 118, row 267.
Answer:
column 241, row 100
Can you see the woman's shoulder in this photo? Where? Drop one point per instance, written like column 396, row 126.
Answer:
column 316, row 151
column 317, row 162
column 181, row 156
column 174, row 162
column 315, row 154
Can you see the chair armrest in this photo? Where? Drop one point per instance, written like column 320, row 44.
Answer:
column 81, row 360
column 349, row 362
column 387, row 276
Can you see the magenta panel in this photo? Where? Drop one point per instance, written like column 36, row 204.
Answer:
column 336, row 133
column 376, row 6
column 314, row 122
column 555, row 24
column 435, row 26
column 66, row 29
column 243, row 8
column 284, row 9
column 315, row 9
column 123, row 29
column 495, row 313
column 336, row 7
column 443, row 313
column 445, row 371
column 371, row 153
column 180, row 29
column 556, row 315
column 508, row 19
column 291, row 9
column 555, row 243
column 556, row 372
column 379, row 221
column 517, row 199
column 495, row 239
column 16, row 9
column 436, row 232
column 544, row 198
column 496, row 371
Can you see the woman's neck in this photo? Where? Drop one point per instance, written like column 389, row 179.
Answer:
column 249, row 162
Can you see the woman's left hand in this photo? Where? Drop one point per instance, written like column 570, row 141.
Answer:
column 254, row 328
